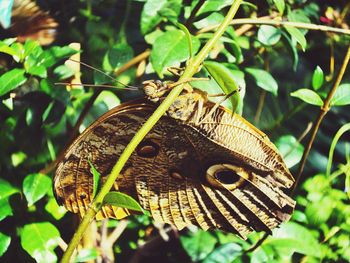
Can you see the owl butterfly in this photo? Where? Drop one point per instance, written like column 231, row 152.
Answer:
column 200, row 165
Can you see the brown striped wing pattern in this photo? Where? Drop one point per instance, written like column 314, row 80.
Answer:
column 220, row 174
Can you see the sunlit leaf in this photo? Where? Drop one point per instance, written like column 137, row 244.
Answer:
column 213, row 5
column 292, row 237
column 11, row 80
column 35, row 187
column 198, row 245
column 40, row 240
column 297, row 35
column 54, row 209
column 86, row 254
column 280, row 4
column 96, row 179
column 264, row 80
column 211, row 20
column 170, row 49
column 224, row 254
column 269, row 35
column 309, row 96
column 317, row 78
column 315, row 215
column 290, row 149
column 6, row 189
column 225, row 79
column 122, row 200
column 17, row 158
column 153, row 11
column 4, row 243
column 342, row 95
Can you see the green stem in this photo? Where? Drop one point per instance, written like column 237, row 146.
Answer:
column 190, row 70
column 324, row 109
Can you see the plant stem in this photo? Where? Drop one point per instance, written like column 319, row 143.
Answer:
column 190, row 70
column 324, row 109
column 277, row 23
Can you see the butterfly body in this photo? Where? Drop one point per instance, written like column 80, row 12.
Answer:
column 215, row 171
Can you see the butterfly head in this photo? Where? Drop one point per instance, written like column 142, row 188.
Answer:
column 155, row 89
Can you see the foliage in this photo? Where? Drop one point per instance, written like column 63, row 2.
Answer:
column 282, row 74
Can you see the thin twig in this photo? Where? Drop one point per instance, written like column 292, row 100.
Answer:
column 324, row 109
column 257, row 244
column 117, row 232
column 278, row 23
column 194, row 12
column 190, row 70
column 133, row 62
column 260, row 106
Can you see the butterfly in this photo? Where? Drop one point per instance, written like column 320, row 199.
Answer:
column 199, row 165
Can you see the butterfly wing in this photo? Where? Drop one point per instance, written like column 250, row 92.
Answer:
column 171, row 174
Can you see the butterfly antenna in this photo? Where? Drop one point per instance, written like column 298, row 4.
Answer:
column 91, row 85
column 110, row 77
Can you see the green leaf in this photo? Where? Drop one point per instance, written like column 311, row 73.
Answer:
column 269, row 35
column 11, row 80
column 117, row 56
column 290, row 149
column 54, row 209
column 226, row 253
column 225, row 79
column 170, row 49
column 280, row 4
column 40, row 240
column 315, row 215
column 17, row 158
column 188, row 37
column 96, row 179
column 4, row 48
column 108, row 98
column 154, row 11
column 292, row 49
column 19, row 51
column 309, row 96
column 39, row 71
column 4, row 243
column 292, row 237
column 211, row 20
column 317, row 78
column 297, row 35
column 264, row 80
column 63, row 72
column 122, row 200
column 51, row 56
column 6, row 189
column 5, row 208
column 35, row 187
column 86, row 254
column 342, row 95
column 198, row 245
column 213, row 5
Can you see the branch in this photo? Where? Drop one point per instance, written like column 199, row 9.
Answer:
column 277, row 23
column 190, row 70
column 324, row 109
